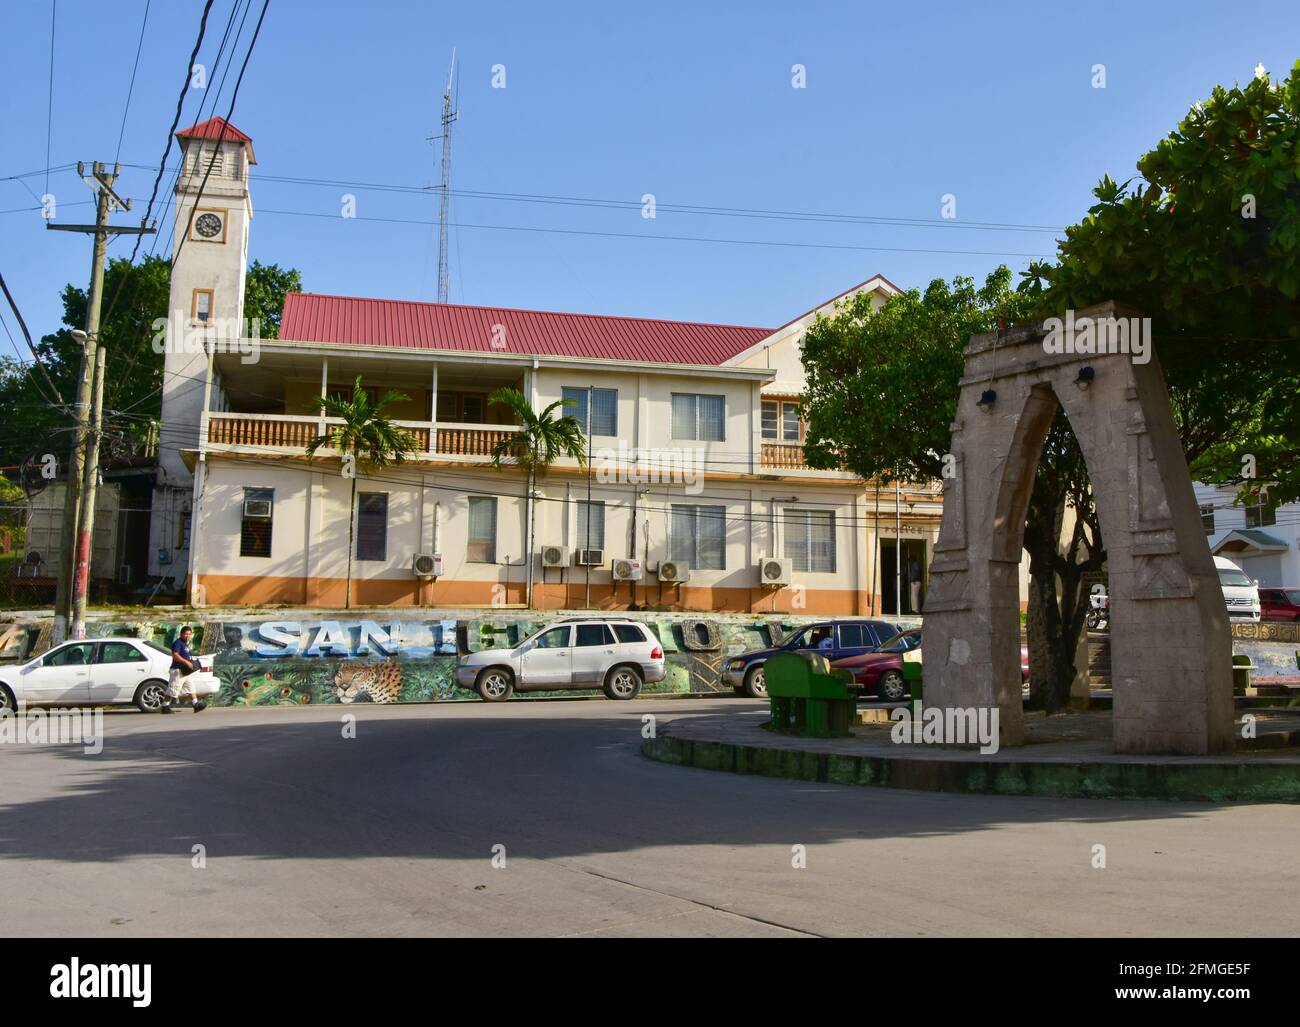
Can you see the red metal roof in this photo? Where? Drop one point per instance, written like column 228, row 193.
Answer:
column 309, row 317
column 211, row 129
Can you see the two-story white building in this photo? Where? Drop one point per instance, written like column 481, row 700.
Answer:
column 696, row 495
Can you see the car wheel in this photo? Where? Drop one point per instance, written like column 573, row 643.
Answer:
column 892, row 687
column 149, row 696
column 756, row 683
column 623, row 683
column 496, row 684
column 7, row 702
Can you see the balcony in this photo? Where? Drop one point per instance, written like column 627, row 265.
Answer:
column 783, row 456
column 289, row 433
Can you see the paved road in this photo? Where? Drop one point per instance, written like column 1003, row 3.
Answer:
column 392, row 833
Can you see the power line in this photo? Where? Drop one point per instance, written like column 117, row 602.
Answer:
column 49, row 98
column 131, row 88
column 57, row 397
column 225, row 125
column 667, row 238
column 635, row 205
column 176, row 119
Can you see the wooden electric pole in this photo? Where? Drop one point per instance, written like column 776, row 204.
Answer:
column 83, row 471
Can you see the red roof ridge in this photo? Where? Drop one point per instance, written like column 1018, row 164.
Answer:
column 211, row 129
column 532, row 310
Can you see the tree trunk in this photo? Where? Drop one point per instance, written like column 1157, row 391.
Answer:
column 532, row 533
column 1057, row 606
column 352, row 527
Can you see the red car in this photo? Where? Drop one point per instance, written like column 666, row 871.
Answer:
column 1279, row 604
column 880, row 673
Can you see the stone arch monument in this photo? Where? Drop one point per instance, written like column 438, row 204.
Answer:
column 1170, row 643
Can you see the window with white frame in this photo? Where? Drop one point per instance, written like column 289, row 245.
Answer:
column 255, row 522
column 698, row 418
column 810, row 540
column 781, row 420
column 1207, row 517
column 482, row 544
column 604, row 409
column 697, row 536
column 1261, row 515
column 591, row 525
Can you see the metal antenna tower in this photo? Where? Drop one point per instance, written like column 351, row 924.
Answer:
column 449, row 114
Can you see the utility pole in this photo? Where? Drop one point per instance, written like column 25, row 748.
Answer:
column 83, row 470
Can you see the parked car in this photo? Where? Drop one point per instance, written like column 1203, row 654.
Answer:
column 1240, row 593
column 880, row 673
column 1279, row 604
column 102, row 672
column 617, row 656
column 834, row 639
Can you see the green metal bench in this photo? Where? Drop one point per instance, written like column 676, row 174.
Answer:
column 809, row 698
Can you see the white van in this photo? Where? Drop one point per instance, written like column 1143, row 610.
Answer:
column 1240, row 593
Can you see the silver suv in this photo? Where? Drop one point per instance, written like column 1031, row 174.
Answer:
column 617, row 656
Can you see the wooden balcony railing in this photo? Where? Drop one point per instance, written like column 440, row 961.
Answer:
column 471, row 439
column 295, row 432
column 784, row 456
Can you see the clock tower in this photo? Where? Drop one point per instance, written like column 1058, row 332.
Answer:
column 209, row 259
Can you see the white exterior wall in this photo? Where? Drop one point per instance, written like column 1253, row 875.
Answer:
column 1270, row 569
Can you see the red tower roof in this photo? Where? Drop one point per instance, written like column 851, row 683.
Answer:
column 212, row 129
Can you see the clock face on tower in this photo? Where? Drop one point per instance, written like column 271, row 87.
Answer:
column 208, row 226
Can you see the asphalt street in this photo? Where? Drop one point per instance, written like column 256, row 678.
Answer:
column 543, row 819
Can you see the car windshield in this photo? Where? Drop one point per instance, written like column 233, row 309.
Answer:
column 1292, row 596
column 901, row 642
column 1233, row 577
column 809, row 638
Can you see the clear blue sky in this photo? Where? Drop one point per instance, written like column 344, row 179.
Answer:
column 691, row 102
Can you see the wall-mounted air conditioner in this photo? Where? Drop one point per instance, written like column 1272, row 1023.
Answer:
column 427, row 565
column 590, row 557
column 555, row 556
column 627, row 570
column 774, row 573
column 674, row 570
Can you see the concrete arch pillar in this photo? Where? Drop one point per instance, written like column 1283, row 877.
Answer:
column 1170, row 643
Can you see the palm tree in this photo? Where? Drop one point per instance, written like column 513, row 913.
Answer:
column 541, row 440
column 366, row 435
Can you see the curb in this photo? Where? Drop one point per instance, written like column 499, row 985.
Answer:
column 1207, row 782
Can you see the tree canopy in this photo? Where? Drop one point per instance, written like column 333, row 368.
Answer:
column 135, row 296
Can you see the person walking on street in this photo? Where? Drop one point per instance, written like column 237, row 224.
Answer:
column 183, row 665
column 914, row 580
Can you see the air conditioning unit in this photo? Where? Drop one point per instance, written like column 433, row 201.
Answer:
column 427, row 565
column 627, row 570
column 673, row 570
column 257, row 508
column 124, row 574
column 773, row 572
column 555, row 556
column 590, row 557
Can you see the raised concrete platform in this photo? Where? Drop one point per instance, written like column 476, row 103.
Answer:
column 1066, row 756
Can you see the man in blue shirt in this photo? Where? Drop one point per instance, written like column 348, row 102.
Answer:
column 183, row 665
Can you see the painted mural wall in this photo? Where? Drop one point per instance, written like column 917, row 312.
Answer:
column 295, row 661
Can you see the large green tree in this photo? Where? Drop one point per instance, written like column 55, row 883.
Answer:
column 1207, row 243
column 135, row 296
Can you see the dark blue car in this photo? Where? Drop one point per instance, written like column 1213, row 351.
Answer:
column 834, row 639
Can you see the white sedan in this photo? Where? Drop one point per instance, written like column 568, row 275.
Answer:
column 100, row 672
